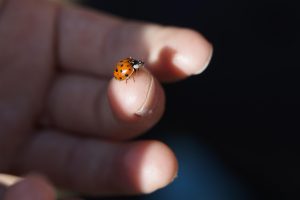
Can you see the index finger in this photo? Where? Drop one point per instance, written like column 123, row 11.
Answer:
column 92, row 42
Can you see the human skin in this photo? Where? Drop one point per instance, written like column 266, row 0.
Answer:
column 62, row 114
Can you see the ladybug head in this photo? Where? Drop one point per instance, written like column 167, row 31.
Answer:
column 137, row 64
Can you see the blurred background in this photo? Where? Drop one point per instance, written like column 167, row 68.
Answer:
column 235, row 127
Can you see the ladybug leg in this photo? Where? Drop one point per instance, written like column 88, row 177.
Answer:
column 133, row 74
column 136, row 70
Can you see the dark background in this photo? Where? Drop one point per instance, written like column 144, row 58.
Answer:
column 245, row 106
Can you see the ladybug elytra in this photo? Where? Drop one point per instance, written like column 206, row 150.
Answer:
column 126, row 68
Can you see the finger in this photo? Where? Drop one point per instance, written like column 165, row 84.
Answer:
column 99, row 167
column 26, row 59
column 92, row 43
column 31, row 188
column 119, row 109
column 7, row 180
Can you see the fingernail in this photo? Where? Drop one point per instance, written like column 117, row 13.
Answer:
column 206, row 63
column 175, row 177
column 147, row 106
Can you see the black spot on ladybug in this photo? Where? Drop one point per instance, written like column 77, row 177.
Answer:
column 120, row 78
column 126, row 75
column 121, row 65
column 121, row 71
column 116, row 70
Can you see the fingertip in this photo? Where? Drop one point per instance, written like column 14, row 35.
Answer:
column 178, row 53
column 139, row 96
column 153, row 164
column 33, row 187
column 158, row 174
column 194, row 54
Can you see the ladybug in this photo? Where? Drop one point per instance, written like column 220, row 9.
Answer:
column 126, row 68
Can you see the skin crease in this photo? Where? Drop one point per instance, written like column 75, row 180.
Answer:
column 64, row 116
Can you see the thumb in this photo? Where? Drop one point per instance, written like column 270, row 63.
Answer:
column 33, row 187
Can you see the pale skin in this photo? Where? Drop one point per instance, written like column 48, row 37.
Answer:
column 63, row 115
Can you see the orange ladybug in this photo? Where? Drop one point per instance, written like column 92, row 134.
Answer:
column 126, row 68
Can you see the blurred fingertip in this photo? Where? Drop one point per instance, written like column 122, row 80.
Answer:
column 32, row 187
column 155, row 166
column 159, row 174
